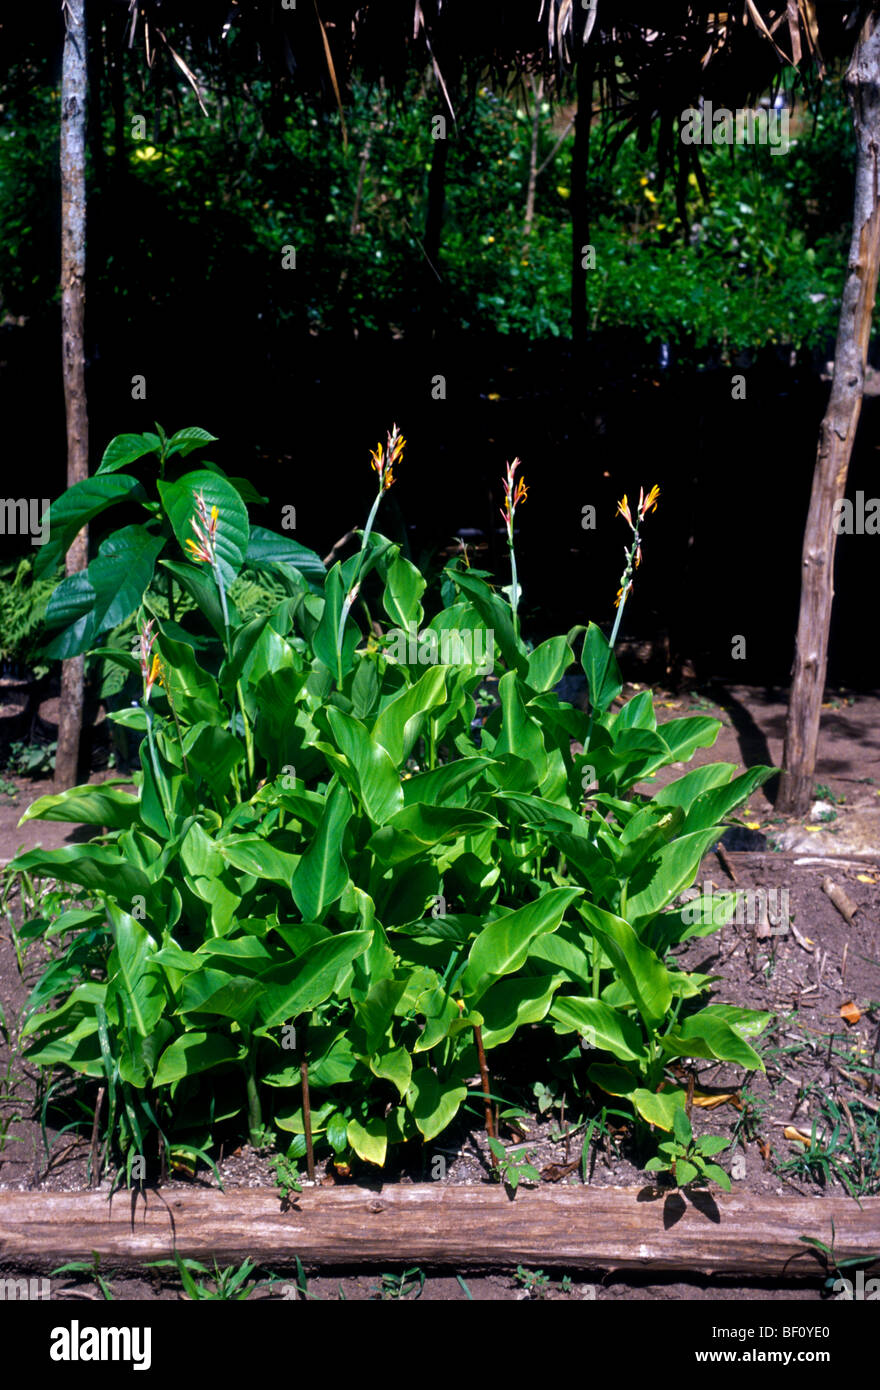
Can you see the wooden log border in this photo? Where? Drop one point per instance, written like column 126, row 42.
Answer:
column 468, row 1227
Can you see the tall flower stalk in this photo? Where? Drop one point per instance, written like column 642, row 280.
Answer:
column 204, row 551
column 383, row 461
column 151, row 674
column 633, row 555
column 515, row 491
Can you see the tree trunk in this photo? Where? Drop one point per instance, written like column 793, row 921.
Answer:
column 836, row 436
column 580, row 202
column 74, row 85
column 537, row 96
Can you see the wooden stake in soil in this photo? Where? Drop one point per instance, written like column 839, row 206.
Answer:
column 307, row 1108
column 484, row 1077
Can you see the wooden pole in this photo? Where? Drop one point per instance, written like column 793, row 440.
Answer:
column 470, row 1227
column 836, row 436
column 74, row 85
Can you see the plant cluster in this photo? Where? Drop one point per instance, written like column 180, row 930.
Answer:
column 328, row 900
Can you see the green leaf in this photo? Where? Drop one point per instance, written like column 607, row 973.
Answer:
column 91, row 866
column 416, row 829
column 378, row 782
column 601, row 670
column 87, row 805
column 497, row 618
column 254, row 855
column 502, row 946
column 705, row 1034
column 603, row 1027
column 78, row 506
column 194, row 1053
column 404, row 587
column 200, row 586
column 184, row 441
column 194, row 690
column 433, row 1104
column 644, row 975
column 400, row 722
column 127, row 448
column 684, row 736
column 369, row 1140
column 718, row 1175
column 520, row 733
column 712, row 806
column 665, row 874
column 139, row 976
column 511, row 1004
column 684, row 1172
column 396, row 1067
column 322, row 874
column 268, row 548
column 290, row 990
column 682, row 1128
column 548, row 663
column 233, row 528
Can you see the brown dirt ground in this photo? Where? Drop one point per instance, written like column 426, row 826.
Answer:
column 805, row 976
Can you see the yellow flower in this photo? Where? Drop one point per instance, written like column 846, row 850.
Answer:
column 206, row 530
column 651, row 197
column 562, row 191
column 623, row 509
column 383, row 460
column 643, row 182
column 650, row 502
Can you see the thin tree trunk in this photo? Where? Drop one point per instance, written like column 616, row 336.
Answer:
column 74, row 85
column 537, row 96
column 580, row 202
column 836, row 436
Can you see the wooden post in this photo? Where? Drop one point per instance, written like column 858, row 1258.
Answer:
column 74, row 84
column 836, row 436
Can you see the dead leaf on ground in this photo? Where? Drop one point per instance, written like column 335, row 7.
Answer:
column 850, row 1012
column 791, row 1133
column 708, row 1100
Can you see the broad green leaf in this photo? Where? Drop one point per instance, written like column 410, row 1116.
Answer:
column 416, row 829
column 139, row 977
column 503, row 945
column 268, row 547
column 322, row 874
column 254, row 855
column 433, row 1104
column 78, row 506
column 511, row 1004
column 290, row 990
column 369, row 1140
column 377, row 778
column 713, row 806
column 520, row 733
column 497, row 618
column 199, row 584
column 441, row 783
column 684, row 736
column 125, row 449
column 707, row 1035
column 87, row 805
column 184, row 441
column 194, row 1053
column 91, row 866
column 404, row 587
column 665, row 874
column 685, row 790
column 548, row 663
column 400, row 722
column 600, row 668
column 601, row 1026
column 644, row 975
column 396, row 1067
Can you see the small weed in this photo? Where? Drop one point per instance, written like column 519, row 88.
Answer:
column 534, row 1281
column 511, row 1168
column 87, row 1267
column 685, row 1157
column 400, row 1285
column 286, row 1178
column 228, row 1284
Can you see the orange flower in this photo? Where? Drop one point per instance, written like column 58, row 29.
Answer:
column 646, row 504
column 515, row 491
column 206, row 530
column 384, row 459
column 151, row 669
column 623, row 510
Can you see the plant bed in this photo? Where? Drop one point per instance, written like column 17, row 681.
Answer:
column 375, row 905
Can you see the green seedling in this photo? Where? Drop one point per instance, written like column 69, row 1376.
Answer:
column 286, row 1178
column 88, row 1267
column 534, row 1281
column 686, row 1157
column 396, row 1286
column 510, row 1168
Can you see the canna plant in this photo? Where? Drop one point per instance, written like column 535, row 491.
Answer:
column 325, row 904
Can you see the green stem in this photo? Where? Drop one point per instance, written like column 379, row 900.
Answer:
column 255, row 1110
column 157, row 771
column 514, row 587
column 350, row 596
column 624, row 584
